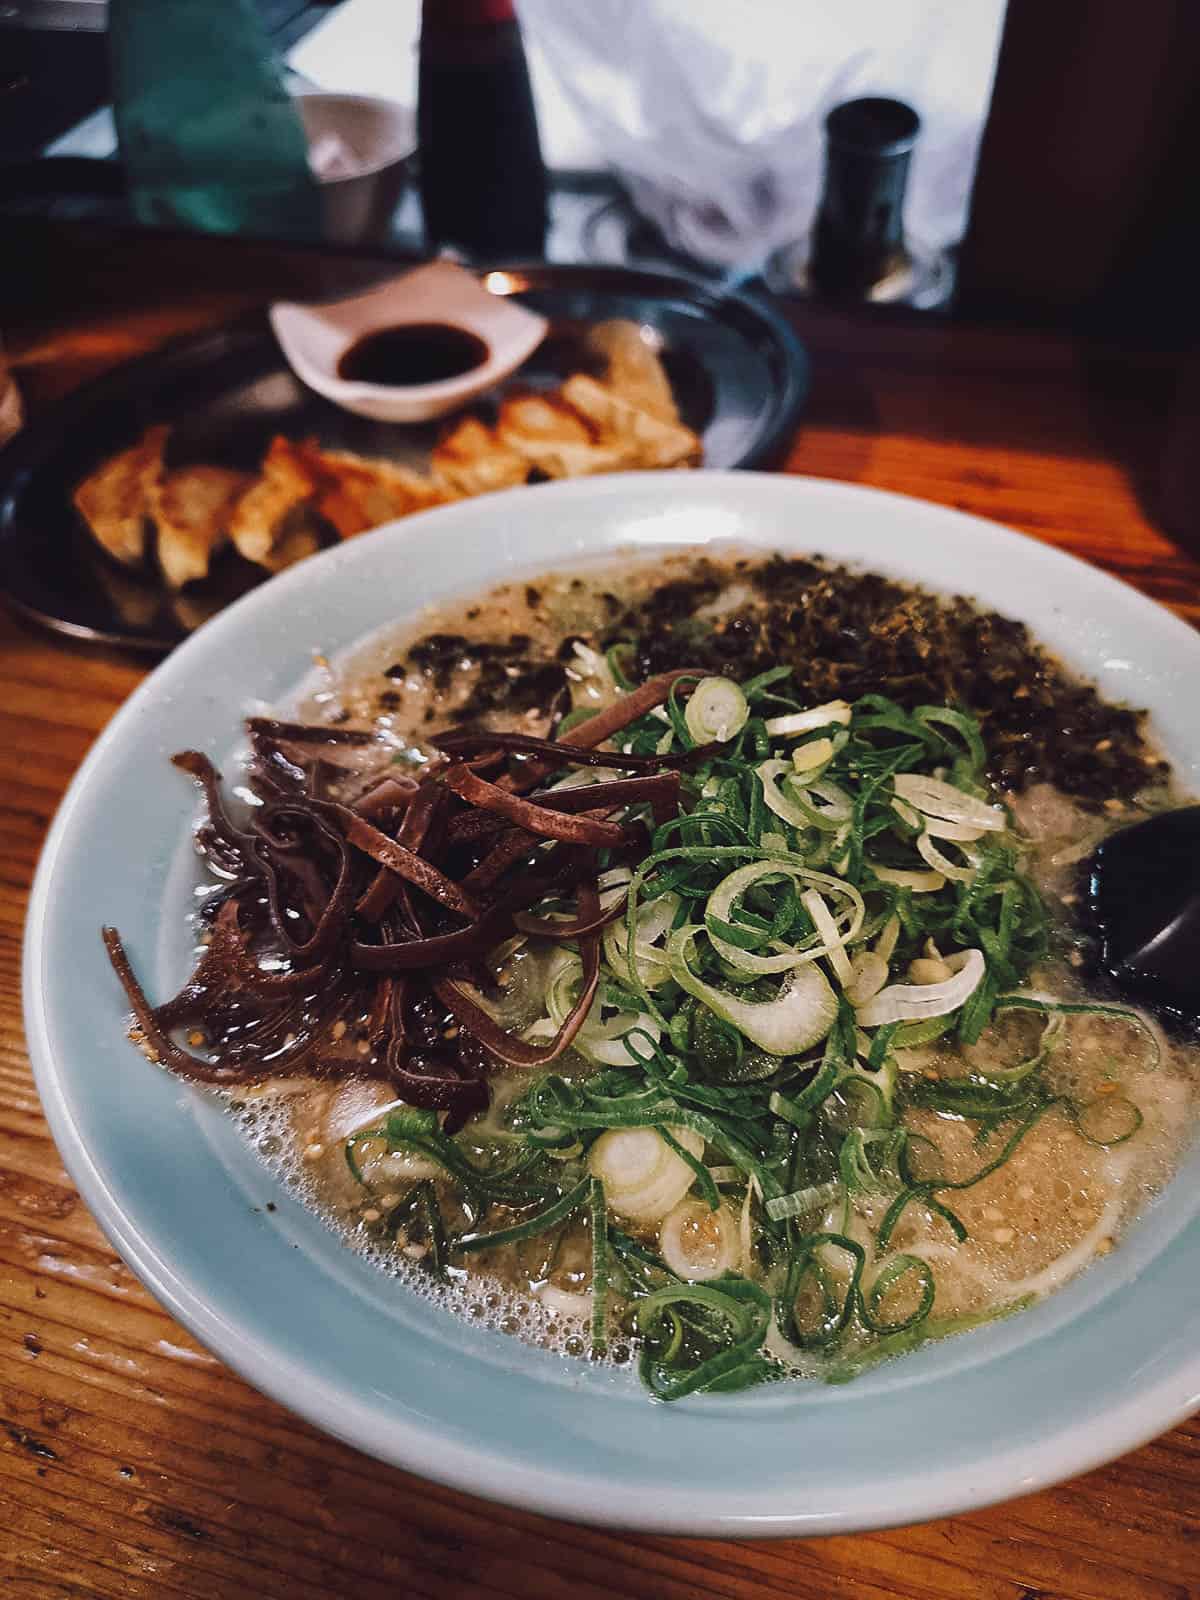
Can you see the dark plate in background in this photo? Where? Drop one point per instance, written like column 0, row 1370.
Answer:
column 739, row 374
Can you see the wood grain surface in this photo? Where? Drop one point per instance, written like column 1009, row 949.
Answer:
column 133, row 1464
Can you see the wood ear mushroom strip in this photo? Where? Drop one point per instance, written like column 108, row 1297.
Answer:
column 358, row 923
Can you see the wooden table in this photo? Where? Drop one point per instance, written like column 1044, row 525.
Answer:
column 134, row 1465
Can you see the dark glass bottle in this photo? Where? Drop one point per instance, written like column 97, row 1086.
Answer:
column 483, row 184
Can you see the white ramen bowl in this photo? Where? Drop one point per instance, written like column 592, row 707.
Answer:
column 1106, row 1363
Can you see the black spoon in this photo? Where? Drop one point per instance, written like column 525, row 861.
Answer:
column 1143, row 895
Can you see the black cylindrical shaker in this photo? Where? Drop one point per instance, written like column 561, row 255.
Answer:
column 858, row 238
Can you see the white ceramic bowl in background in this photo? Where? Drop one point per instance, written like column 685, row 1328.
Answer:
column 374, row 140
column 314, row 338
column 1106, row 1363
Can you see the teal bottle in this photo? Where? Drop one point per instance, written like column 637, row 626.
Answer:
column 208, row 134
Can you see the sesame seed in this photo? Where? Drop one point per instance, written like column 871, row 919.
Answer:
column 363, row 1047
column 196, row 1037
column 416, row 1252
column 1104, row 1247
column 1025, row 1192
column 339, row 1030
column 993, row 1214
column 1107, row 1088
column 932, row 1073
column 1103, row 744
column 387, row 1201
column 314, row 1151
column 1115, row 806
column 371, row 1214
column 1004, row 1235
column 1069, row 899
column 1075, row 957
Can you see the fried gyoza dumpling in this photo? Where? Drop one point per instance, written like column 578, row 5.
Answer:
column 191, row 508
column 268, row 509
column 357, row 492
column 471, row 460
column 635, row 371
column 115, row 500
column 552, row 437
column 644, row 440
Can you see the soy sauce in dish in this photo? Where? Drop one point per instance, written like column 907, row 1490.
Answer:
column 411, row 353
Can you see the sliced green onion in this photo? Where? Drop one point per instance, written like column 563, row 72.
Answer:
column 717, row 710
column 967, row 729
column 435, row 1232
column 835, row 1316
column 797, row 812
column 929, row 852
column 956, row 832
column 745, row 1312
column 1009, row 1077
column 914, row 1002
column 1106, row 1121
column 943, row 801
column 702, row 1175
column 928, row 1190
column 889, row 935
column 922, row 1333
column 906, row 878
column 721, row 903
column 801, row 1202
column 754, row 688
column 598, row 1215
column 812, row 754
column 894, row 1272
column 563, row 1208
column 725, row 1175
column 827, row 929
column 912, row 1034
column 1048, row 1004
column 879, row 1088
column 799, row 1017
column 718, row 1255
column 788, row 727
column 643, row 1175
column 614, row 655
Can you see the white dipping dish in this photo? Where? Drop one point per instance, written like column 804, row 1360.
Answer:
column 314, row 338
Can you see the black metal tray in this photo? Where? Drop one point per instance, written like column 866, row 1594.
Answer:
column 739, row 374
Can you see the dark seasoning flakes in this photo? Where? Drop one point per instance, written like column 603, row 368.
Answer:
column 844, row 633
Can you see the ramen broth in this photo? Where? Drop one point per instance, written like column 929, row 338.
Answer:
column 515, row 659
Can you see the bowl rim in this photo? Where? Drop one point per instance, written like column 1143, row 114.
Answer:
column 401, row 157
column 1155, row 1404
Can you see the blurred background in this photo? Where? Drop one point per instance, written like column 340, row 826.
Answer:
column 1041, row 166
